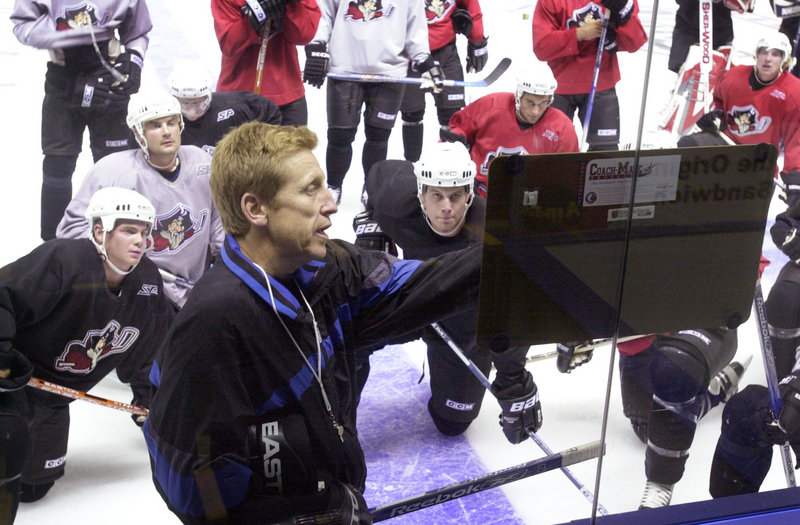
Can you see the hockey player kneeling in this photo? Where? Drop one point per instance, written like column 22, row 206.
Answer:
column 430, row 208
column 71, row 311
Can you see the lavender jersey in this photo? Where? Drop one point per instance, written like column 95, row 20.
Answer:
column 187, row 222
column 57, row 24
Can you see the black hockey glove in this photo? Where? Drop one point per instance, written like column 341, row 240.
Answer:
column 610, row 45
column 370, row 236
column 621, row 10
column 477, row 55
column 449, row 136
column 568, row 359
column 93, row 94
column 522, row 410
column 789, row 418
column 317, row 59
column 791, row 246
column 257, row 12
column 791, row 195
column 462, row 21
column 130, row 64
column 15, row 371
column 712, row 121
column 431, row 71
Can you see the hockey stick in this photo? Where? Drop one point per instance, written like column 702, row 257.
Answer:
column 262, row 52
column 601, row 44
column 501, row 68
column 772, row 377
column 61, row 390
column 494, row 479
column 580, row 349
column 482, row 378
column 172, row 278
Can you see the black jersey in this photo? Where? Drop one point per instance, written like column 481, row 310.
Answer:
column 57, row 309
column 228, row 109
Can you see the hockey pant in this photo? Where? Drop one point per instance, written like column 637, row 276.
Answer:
column 381, row 103
column 744, row 450
column 604, row 126
column 294, row 113
column 62, row 138
column 681, row 367
column 448, row 101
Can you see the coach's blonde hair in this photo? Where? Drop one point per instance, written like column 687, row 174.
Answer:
column 252, row 158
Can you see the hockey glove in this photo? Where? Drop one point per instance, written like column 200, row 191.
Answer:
column 432, row 74
column 257, row 12
column 317, row 60
column 15, row 371
column 621, row 10
column 522, row 410
column 712, row 121
column 450, row 136
column 130, row 64
column 791, row 246
column 568, row 360
column 93, row 94
column 370, row 236
column 740, row 6
column 477, row 55
column 610, row 45
column 462, row 21
column 789, row 418
column 791, row 195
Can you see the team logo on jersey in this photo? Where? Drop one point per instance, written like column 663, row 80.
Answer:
column 148, row 289
column 587, row 13
column 484, row 168
column 366, row 10
column 746, row 120
column 81, row 357
column 436, row 9
column 176, row 228
column 225, row 114
column 77, row 16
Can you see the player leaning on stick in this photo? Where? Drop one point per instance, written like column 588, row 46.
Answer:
column 71, row 311
column 566, row 35
column 175, row 179
column 366, row 36
column 430, row 209
column 88, row 82
column 253, row 419
column 242, row 26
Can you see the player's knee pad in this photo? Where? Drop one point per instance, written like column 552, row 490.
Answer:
column 57, row 170
column 637, row 393
column 413, row 118
column 448, row 427
column 376, row 134
column 702, row 138
column 30, row 492
column 341, row 136
column 746, row 417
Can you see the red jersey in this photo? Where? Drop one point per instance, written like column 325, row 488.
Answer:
column 491, row 127
column 555, row 24
column 281, row 81
column 440, row 26
column 770, row 114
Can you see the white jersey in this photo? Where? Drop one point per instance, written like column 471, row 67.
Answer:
column 365, row 36
column 187, row 222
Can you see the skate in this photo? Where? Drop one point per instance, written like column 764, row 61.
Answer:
column 726, row 382
column 655, row 495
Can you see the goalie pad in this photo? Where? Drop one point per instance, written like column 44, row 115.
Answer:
column 687, row 103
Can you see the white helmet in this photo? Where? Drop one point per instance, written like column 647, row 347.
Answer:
column 779, row 41
column 148, row 106
column 445, row 164
column 111, row 204
column 536, row 80
column 190, row 80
